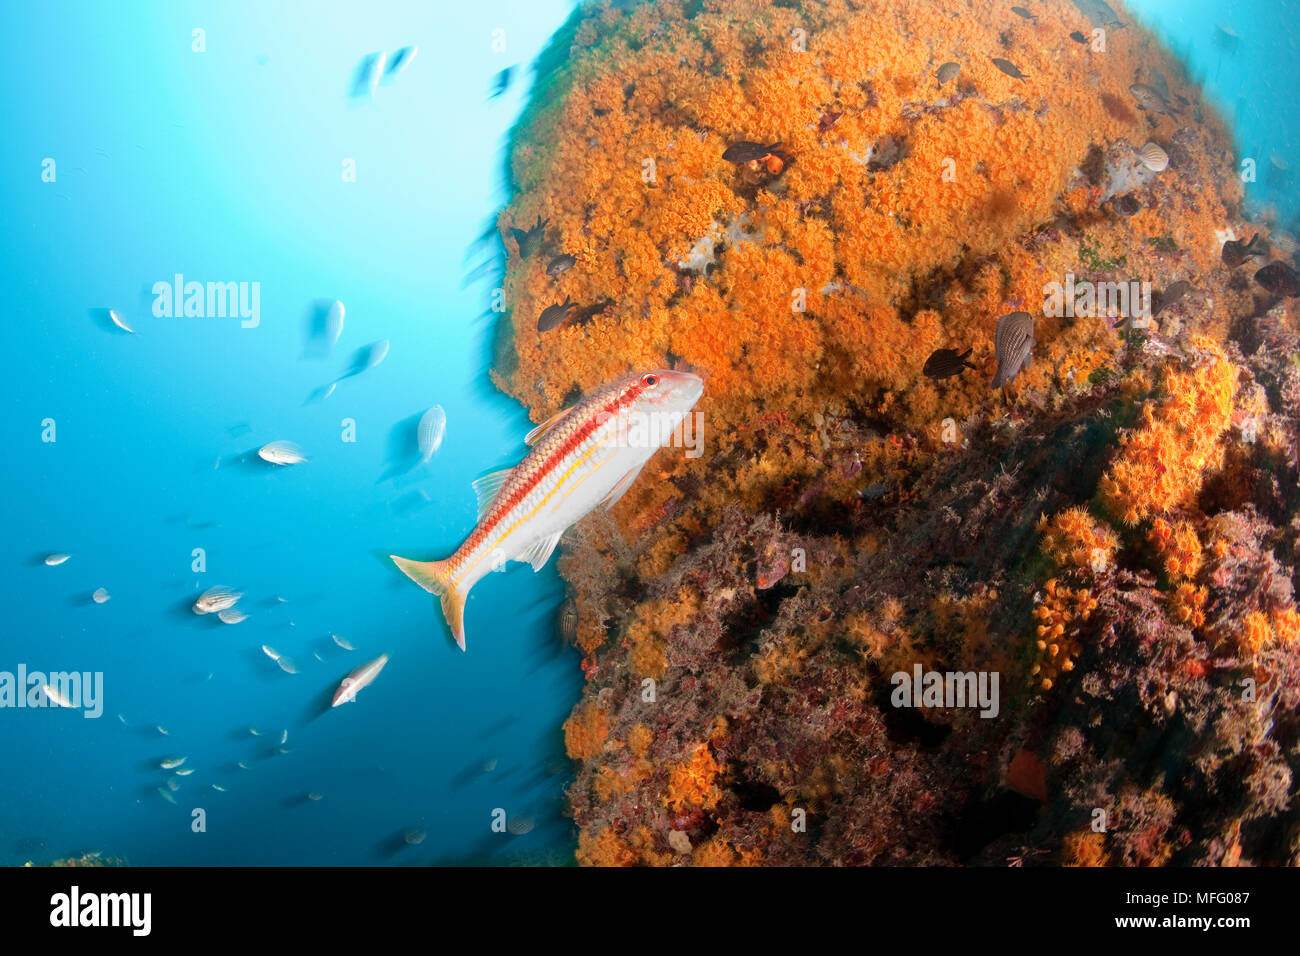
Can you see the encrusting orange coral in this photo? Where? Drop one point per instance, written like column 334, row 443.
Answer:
column 1059, row 615
column 693, row 784
column 1163, row 463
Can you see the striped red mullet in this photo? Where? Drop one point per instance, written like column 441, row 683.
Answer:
column 585, row 457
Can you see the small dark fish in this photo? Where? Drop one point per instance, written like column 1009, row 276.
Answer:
column 1025, row 14
column 1126, row 205
column 1098, row 13
column 1009, row 68
column 773, row 159
column 1163, row 300
column 1149, row 98
column 947, row 72
column 747, row 152
column 553, row 315
column 1279, row 279
column 529, row 240
column 569, row 621
column 1237, row 251
column 502, row 82
column 1078, row 37
column 1013, row 342
column 560, row 264
column 827, row 120
column 585, row 315
column 945, row 363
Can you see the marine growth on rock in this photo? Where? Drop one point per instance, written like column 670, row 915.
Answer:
column 1114, row 533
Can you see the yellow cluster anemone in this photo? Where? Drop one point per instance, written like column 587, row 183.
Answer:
column 1059, row 614
column 1163, row 462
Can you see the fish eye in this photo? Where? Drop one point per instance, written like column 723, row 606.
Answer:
column 649, row 380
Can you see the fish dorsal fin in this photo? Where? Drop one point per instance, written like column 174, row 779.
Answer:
column 540, row 551
column 620, row 489
column 486, row 488
column 534, row 436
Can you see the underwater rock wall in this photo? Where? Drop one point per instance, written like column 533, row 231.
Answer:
column 1114, row 534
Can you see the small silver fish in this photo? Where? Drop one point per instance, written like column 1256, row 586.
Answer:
column 56, row 696
column 184, row 771
column 54, row 560
column 215, row 599
column 433, row 425
column 1154, row 158
column 1013, row 342
column 287, row 665
column 120, row 322
column 363, row 676
column 171, row 763
column 281, row 453
column 334, row 323
column 400, row 60
column 100, row 596
column 232, row 615
column 343, row 642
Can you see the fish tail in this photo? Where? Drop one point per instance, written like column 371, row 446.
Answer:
column 435, row 577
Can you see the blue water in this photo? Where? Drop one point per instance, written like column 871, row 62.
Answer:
column 226, row 165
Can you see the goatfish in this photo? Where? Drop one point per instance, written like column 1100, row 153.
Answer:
column 582, row 458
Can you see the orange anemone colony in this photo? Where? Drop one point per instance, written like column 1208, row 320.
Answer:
column 1108, row 531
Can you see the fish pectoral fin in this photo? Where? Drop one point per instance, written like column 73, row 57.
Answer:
column 534, row 436
column 620, row 489
column 540, row 551
column 486, row 488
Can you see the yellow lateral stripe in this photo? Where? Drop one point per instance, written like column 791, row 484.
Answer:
column 488, row 549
